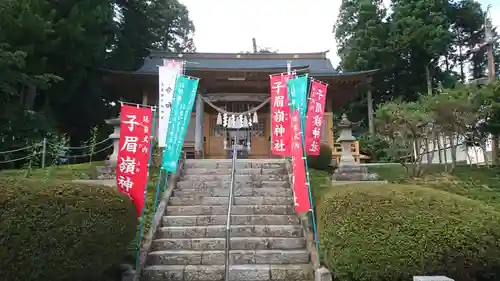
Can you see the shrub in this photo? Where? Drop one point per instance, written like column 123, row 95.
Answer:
column 323, row 161
column 377, row 148
column 54, row 230
column 393, row 232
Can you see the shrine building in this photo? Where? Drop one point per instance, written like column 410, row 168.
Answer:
column 237, row 83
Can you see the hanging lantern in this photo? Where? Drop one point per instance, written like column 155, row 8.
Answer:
column 225, row 144
column 255, row 118
column 225, row 120
column 245, row 122
column 249, row 145
column 219, row 119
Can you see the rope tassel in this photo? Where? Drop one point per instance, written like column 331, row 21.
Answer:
column 255, row 118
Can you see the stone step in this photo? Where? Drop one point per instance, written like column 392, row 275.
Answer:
column 213, row 257
column 235, row 220
column 237, row 243
column 235, row 210
column 248, row 200
column 219, row 231
column 238, row 177
column 240, row 163
column 244, row 191
column 247, row 272
column 203, row 185
column 227, row 171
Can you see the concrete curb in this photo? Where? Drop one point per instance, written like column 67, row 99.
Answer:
column 321, row 273
column 431, row 278
column 148, row 238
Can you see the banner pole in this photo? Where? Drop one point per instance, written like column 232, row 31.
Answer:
column 141, row 218
column 311, row 201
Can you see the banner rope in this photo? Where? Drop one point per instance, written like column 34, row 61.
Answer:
column 292, row 71
column 136, row 104
column 223, row 111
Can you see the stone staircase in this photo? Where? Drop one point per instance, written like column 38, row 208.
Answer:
column 266, row 243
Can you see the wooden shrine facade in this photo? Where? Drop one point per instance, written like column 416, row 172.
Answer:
column 236, row 83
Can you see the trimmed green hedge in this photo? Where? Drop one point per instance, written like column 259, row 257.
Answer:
column 60, row 231
column 323, row 161
column 393, row 232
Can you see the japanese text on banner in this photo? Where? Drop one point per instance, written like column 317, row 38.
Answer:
column 297, row 94
column 300, row 189
column 315, row 118
column 166, row 85
column 133, row 156
column 185, row 94
column 280, row 116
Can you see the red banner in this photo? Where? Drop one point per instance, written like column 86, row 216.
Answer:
column 133, row 156
column 315, row 117
column 300, row 190
column 280, row 116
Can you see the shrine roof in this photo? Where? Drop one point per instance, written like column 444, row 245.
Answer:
column 314, row 63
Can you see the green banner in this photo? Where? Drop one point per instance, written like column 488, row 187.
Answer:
column 297, row 94
column 180, row 115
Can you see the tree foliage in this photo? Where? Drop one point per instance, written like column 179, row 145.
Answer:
column 417, row 45
column 52, row 54
column 462, row 114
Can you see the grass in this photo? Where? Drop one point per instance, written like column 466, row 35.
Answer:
column 63, row 172
column 479, row 183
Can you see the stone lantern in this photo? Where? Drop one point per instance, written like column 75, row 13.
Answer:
column 348, row 169
column 346, row 140
column 108, row 171
column 115, row 137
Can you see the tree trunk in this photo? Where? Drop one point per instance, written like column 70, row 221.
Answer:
column 29, row 103
column 429, row 80
column 485, row 154
column 453, row 153
column 445, row 153
column 439, row 147
column 461, row 60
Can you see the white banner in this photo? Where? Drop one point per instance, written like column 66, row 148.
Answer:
column 167, row 76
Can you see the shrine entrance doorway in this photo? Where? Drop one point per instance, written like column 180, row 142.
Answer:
column 251, row 134
column 252, row 139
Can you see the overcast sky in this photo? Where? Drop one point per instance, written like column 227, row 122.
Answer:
column 285, row 25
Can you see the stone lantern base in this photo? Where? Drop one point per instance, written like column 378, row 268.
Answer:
column 351, row 173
